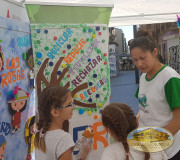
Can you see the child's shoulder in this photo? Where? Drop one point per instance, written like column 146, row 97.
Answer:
column 57, row 133
column 115, row 146
column 58, row 136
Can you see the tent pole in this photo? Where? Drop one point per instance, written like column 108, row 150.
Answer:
column 136, row 69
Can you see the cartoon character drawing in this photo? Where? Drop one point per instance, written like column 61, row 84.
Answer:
column 31, row 78
column 17, row 100
column 30, row 64
column 1, row 60
column 30, row 129
column 2, row 147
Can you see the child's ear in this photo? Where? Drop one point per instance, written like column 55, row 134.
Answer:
column 111, row 132
column 54, row 112
column 155, row 51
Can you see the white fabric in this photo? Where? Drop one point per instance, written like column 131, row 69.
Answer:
column 156, row 111
column 132, row 12
column 57, row 142
column 116, row 151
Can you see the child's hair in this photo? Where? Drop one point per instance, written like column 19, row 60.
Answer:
column 12, row 111
column 142, row 40
column 51, row 97
column 120, row 119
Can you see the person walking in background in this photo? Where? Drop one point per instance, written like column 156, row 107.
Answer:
column 158, row 91
column 119, row 120
column 55, row 105
column 124, row 65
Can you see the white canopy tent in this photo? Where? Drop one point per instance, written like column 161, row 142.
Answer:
column 131, row 12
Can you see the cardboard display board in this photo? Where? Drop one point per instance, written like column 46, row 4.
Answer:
column 73, row 52
column 17, row 99
column 76, row 57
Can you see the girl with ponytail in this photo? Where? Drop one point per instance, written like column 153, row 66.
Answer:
column 119, row 120
column 52, row 142
column 159, row 90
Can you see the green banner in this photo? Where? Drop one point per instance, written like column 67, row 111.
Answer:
column 68, row 14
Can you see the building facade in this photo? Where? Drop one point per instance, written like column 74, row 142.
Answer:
column 117, row 36
column 167, row 42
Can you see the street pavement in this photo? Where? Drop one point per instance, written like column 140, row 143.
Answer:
column 123, row 89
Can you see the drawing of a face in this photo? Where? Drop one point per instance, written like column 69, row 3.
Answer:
column 33, row 129
column 2, row 151
column 18, row 105
column 31, row 62
column 29, row 58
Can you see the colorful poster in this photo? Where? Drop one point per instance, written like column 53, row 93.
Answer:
column 72, row 51
column 76, row 57
column 17, row 100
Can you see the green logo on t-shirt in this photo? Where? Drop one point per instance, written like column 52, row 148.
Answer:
column 143, row 100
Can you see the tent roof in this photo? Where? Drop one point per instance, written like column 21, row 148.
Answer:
column 132, row 12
